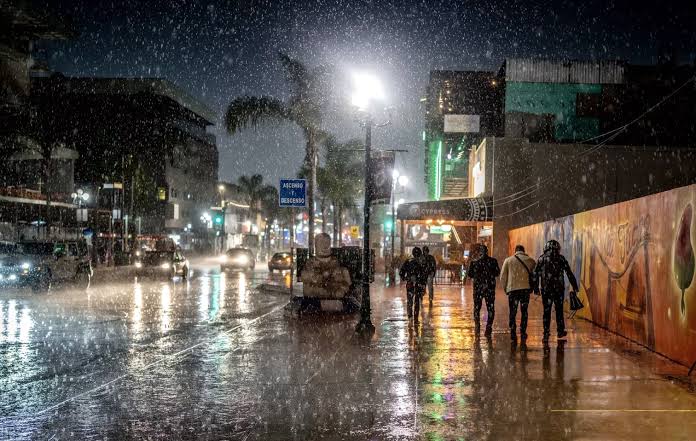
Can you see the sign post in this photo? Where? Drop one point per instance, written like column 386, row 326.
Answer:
column 292, row 194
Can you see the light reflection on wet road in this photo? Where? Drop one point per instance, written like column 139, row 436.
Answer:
column 212, row 358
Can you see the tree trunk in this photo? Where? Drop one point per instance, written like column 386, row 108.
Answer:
column 312, row 165
column 322, row 205
column 340, row 223
column 336, row 225
column 45, row 177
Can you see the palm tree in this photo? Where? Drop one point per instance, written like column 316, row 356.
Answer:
column 343, row 172
column 253, row 192
column 303, row 108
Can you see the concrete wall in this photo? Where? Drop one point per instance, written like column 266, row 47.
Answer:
column 537, row 182
column 634, row 262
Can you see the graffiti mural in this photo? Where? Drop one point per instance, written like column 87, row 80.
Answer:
column 635, row 263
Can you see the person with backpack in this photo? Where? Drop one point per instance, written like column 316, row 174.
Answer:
column 484, row 271
column 431, row 264
column 549, row 272
column 414, row 271
column 517, row 277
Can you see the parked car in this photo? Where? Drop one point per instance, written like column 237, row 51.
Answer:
column 238, row 258
column 38, row 264
column 280, row 261
column 161, row 263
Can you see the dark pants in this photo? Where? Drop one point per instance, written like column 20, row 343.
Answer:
column 520, row 297
column 555, row 300
column 490, row 307
column 414, row 298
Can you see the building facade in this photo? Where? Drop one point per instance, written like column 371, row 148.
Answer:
column 143, row 144
column 460, row 109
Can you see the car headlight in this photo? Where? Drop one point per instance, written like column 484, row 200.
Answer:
column 138, row 264
column 13, row 277
column 165, row 265
column 242, row 260
column 26, row 265
column 223, row 258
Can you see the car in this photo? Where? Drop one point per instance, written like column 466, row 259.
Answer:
column 238, row 258
column 280, row 261
column 38, row 264
column 162, row 263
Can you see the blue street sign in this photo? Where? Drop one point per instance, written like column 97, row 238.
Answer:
column 293, row 193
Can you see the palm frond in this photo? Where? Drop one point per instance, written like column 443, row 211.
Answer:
column 250, row 111
column 297, row 72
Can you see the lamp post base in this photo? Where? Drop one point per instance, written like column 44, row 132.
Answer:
column 365, row 326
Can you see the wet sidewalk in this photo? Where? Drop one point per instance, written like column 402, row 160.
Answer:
column 438, row 381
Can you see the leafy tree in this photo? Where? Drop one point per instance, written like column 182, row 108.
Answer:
column 308, row 93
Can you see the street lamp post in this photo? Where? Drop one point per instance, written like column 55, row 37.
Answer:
column 367, row 89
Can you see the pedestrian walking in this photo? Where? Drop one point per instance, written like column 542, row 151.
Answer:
column 549, row 271
column 517, row 278
column 414, row 272
column 431, row 265
column 484, row 270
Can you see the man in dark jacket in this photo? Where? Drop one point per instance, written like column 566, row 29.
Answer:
column 414, row 271
column 484, row 271
column 549, row 271
column 431, row 264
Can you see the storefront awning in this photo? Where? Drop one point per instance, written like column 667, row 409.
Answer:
column 467, row 209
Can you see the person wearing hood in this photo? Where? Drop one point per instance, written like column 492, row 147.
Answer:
column 550, row 270
column 484, row 271
column 415, row 272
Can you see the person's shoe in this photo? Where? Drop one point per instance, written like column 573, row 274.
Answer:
column 562, row 334
column 513, row 335
column 545, row 339
column 488, row 332
column 523, row 336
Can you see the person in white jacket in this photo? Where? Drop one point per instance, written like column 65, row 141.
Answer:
column 517, row 278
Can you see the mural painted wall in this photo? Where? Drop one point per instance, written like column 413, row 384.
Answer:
column 635, row 264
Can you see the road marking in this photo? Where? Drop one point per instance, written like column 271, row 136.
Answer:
column 621, row 410
column 154, row 363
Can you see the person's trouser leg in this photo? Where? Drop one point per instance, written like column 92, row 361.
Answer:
column 409, row 302
column 547, row 301
column 524, row 305
column 430, row 287
column 418, row 298
column 478, row 299
column 490, row 307
column 512, row 304
column 560, row 320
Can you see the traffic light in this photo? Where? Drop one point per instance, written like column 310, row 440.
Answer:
column 218, row 220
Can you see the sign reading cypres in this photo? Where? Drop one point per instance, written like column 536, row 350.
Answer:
column 293, row 193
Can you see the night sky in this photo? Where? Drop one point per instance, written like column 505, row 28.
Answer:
column 218, row 50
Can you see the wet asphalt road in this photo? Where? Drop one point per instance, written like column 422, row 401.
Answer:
column 77, row 364
column 212, row 358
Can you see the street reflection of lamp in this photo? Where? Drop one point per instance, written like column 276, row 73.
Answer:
column 367, row 89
